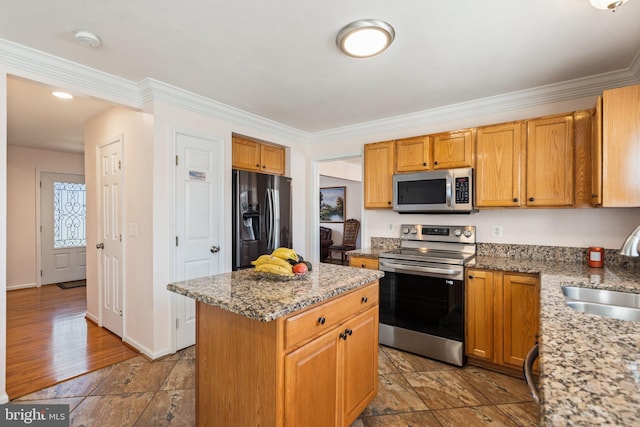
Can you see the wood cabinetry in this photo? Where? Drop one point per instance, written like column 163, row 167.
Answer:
column 550, row 161
column 379, row 161
column 453, row 149
column 413, row 154
column 596, row 154
column 583, row 145
column 364, row 262
column 621, row 147
column 502, row 317
column 316, row 367
column 500, row 165
column 256, row 156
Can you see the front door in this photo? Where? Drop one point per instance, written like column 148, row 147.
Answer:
column 62, row 224
column 110, row 264
column 199, row 207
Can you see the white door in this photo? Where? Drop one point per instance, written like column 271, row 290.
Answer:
column 62, row 226
column 110, row 264
column 199, row 203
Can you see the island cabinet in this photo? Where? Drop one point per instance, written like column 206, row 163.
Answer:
column 314, row 367
column 502, row 318
column 248, row 154
column 379, row 162
column 621, row 147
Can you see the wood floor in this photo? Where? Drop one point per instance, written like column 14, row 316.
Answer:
column 49, row 340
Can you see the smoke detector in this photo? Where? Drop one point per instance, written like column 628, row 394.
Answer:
column 87, row 38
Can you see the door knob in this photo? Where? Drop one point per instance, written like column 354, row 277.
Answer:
column 215, row 249
column 100, row 246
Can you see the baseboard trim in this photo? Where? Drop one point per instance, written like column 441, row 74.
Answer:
column 23, row 286
column 144, row 350
column 4, row 398
column 92, row 318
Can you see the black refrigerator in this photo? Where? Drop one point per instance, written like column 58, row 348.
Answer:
column 261, row 215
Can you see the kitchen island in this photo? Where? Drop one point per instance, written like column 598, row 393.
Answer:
column 274, row 353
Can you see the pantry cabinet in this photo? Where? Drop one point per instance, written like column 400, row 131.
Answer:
column 379, row 161
column 550, row 161
column 621, row 147
column 502, row 317
column 500, row 165
column 256, row 156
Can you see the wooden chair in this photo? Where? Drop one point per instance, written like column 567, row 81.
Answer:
column 349, row 237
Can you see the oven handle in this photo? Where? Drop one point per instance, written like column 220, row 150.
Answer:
column 413, row 269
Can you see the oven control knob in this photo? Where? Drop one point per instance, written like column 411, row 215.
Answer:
column 414, row 230
column 467, row 233
column 405, row 230
column 457, row 232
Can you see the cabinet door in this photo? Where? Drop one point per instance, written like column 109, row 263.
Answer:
column 245, row 154
column 311, row 383
column 596, row 154
column 360, row 364
column 550, row 161
column 621, row 147
column 364, row 262
column 500, row 165
column 272, row 159
column 582, row 133
column 453, row 149
column 479, row 297
column 521, row 308
column 379, row 159
column 413, row 154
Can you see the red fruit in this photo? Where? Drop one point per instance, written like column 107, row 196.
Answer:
column 300, row 268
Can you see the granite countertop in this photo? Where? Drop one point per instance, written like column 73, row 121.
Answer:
column 368, row 252
column 247, row 293
column 589, row 365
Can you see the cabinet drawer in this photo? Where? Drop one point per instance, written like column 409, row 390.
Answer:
column 316, row 320
column 364, row 262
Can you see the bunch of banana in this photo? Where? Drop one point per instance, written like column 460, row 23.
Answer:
column 285, row 254
column 273, row 264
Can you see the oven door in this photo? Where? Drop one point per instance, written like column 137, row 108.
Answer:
column 420, row 302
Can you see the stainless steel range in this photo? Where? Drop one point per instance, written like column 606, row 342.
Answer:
column 422, row 292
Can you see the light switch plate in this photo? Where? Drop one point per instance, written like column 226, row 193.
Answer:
column 497, row 230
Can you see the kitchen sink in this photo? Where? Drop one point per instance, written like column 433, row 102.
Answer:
column 613, row 304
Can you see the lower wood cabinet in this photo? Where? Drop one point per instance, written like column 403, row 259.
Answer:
column 502, row 317
column 364, row 262
column 315, row 367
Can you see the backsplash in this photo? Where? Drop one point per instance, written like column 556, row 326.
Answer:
column 530, row 252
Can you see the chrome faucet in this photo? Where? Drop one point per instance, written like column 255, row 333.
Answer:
column 630, row 246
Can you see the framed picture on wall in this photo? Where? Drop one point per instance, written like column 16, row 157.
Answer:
column 333, row 202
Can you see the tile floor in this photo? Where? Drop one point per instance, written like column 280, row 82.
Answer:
column 413, row 391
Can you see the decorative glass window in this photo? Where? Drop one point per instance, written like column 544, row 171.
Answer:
column 69, row 215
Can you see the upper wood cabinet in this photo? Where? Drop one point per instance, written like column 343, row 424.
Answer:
column 583, row 136
column 500, row 167
column 453, row 149
column 413, row 154
column 596, row 154
column 621, row 147
column 550, row 151
column 379, row 161
column 258, row 157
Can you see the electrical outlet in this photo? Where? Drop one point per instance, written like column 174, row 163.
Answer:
column 390, row 227
column 497, row 230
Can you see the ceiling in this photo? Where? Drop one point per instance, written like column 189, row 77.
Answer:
column 278, row 59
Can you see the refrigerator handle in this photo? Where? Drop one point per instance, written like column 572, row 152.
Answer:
column 275, row 224
column 268, row 219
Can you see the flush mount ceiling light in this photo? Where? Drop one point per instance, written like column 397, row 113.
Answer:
column 61, row 95
column 611, row 5
column 87, row 38
column 365, row 38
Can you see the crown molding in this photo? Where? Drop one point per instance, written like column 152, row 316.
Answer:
column 557, row 92
column 153, row 90
column 33, row 64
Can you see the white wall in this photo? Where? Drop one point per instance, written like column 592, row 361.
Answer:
column 3, row 236
column 22, row 164
column 555, row 227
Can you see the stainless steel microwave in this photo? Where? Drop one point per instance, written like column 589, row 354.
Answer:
column 441, row 191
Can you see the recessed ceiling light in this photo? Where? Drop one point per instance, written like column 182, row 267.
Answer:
column 61, row 95
column 87, row 38
column 611, row 5
column 365, row 38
